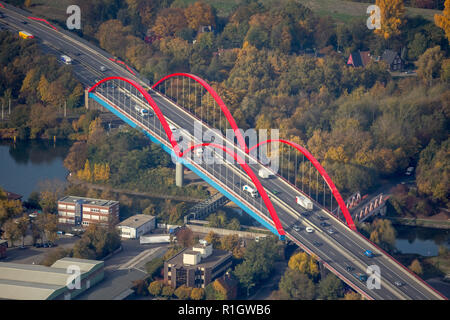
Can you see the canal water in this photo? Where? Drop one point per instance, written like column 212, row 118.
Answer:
column 25, row 165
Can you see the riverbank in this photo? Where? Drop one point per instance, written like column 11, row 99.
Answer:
column 440, row 221
column 88, row 185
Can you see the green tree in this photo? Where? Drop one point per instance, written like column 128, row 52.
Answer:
column 183, row 292
column 331, row 288
column 295, row 285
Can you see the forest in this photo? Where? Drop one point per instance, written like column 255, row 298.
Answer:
column 277, row 64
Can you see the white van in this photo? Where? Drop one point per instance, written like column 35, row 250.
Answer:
column 250, row 190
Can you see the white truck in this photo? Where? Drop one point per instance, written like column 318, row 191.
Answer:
column 154, row 239
column 264, row 173
column 250, row 190
column 304, row 202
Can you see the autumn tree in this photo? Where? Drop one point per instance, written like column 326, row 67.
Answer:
column 429, row 64
column 76, row 157
column 214, row 239
column 392, row 13
column 22, row 227
column 167, row 291
column 155, row 288
column 197, row 294
column 199, row 14
column 183, row 292
column 352, row 296
column 185, row 237
column 304, row 263
column 416, row 267
column 443, row 20
column 169, row 21
column 12, row 232
column 383, row 233
column 433, row 171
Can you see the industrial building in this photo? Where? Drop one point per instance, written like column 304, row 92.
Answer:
column 36, row 282
column 196, row 267
column 79, row 211
column 137, row 225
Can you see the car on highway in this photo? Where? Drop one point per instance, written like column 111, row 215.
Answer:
column 296, row 227
column 321, row 218
column 349, row 268
column 275, row 191
column 361, row 276
column 317, row 243
column 305, row 213
column 368, row 253
column 309, row 229
column 324, row 224
column 24, row 22
column 102, row 68
column 330, row 231
column 398, row 283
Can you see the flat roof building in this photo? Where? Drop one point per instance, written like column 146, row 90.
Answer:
column 80, row 211
column 137, row 225
column 196, row 267
column 36, row 282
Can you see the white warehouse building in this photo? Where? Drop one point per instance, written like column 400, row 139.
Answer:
column 137, row 225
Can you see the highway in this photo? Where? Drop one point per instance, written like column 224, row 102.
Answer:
column 337, row 251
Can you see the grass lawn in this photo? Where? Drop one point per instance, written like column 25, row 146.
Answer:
column 341, row 10
column 51, row 9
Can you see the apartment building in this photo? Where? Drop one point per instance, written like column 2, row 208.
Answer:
column 196, row 267
column 80, row 211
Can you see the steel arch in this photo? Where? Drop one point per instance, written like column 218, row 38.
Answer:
column 152, row 103
column 323, row 173
column 180, row 154
column 219, row 101
column 252, row 176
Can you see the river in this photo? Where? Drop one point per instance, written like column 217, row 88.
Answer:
column 26, row 164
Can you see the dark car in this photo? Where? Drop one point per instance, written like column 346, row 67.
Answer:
column 25, row 22
column 321, row 218
column 38, row 245
column 349, row 268
column 324, row 224
column 317, row 243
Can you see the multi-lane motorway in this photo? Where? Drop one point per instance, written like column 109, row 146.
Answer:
column 338, row 251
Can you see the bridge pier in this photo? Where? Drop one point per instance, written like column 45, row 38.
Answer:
column 179, row 174
column 86, row 98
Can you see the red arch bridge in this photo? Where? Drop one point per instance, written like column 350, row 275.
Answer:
column 278, row 182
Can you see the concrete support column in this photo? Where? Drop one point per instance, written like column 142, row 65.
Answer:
column 86, row 98
column 179, row 175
